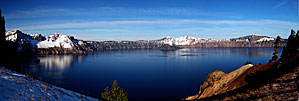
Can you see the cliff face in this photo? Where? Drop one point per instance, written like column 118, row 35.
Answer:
column 50, row 44
column 219, row 82
column 107, row 45
column 284, row 87
column 246, row 41
column 64, row 44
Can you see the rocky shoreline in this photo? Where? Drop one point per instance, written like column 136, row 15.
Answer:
column 217, row 81
column 15, row 86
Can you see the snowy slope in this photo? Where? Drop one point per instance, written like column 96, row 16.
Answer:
column 56, row 40
column 167, row 40
column 253, row 38
column 39, row 41
column 185, row 40
column 21, row 38
column 265, row 39
column 15, row 86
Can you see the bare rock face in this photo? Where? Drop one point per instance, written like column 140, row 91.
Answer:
column 282, row 88
column 219, row 82
column 212, row 78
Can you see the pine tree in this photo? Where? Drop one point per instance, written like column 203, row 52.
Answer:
column 291, row 42
column 276, row 46
column 297, row 40
column 2, row 33
column 297, row 35
column 115, row 94
column 283, row 53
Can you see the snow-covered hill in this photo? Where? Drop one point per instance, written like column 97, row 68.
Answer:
column 39, row 41
column 188, row 40
column 253, row 38
column 56, row 40
column 15, row 86
column 185, row 40
column 50, row 44
column 22, row 40
column 60, row 44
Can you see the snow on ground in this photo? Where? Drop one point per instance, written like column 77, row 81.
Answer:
column 265, row 39
column 56, row 40
column 186, row 40
column 11, row 36
column 15, row 86
column 18, row 36
column 168, row 40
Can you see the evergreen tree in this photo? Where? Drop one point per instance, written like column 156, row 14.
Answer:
column 248, row 62
column 2, row 32
column 297, row 35
column 276, row 46
column 291, row 42
column 293, row 33
column 297, row 40
column 284, row 53
column 115, row 93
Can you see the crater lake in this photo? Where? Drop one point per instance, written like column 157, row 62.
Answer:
column 143, row 73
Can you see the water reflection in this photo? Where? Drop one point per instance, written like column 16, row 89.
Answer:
column 62, row 62
column 54, row 65
column 252, row 52
column 56, row 62
column 188, row 53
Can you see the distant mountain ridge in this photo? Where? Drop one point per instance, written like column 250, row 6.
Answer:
column 188, row 40
column 49, row 44
column 65, row 44
column 245, row 41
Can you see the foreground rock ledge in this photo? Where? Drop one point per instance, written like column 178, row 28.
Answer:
column 219, row 82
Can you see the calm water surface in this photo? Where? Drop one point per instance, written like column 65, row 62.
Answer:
column 144, row 74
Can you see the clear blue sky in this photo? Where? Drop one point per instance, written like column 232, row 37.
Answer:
column 152, row 19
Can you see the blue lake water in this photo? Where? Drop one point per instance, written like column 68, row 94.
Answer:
column 143, row 73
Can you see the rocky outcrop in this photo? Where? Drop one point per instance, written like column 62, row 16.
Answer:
column 219, row 82
column 284, row 87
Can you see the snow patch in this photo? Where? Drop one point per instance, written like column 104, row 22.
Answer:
column 265, row 39
column 11, row 36
column 56, row 40
column 250, row 65
column 185, row 40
